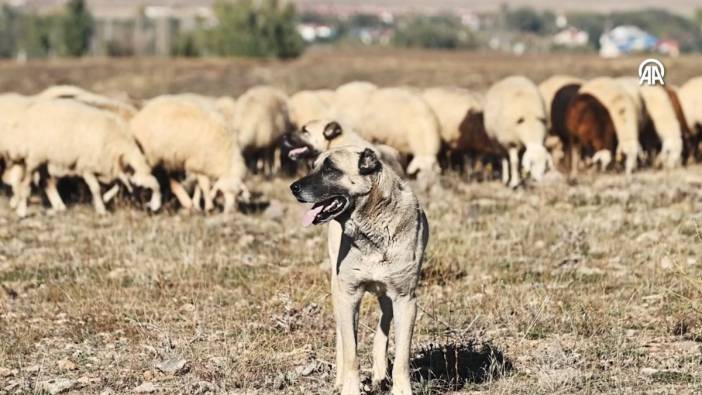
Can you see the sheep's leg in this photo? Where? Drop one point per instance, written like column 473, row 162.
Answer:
column 23, row 191
column 94, row 187
column 181, row 194
column 203, row 183
column 514, row 167
column 505, row 171
column 110, row 194
column 574, row 160
column 229, row 202
column 53, row 195
column 12, row 177
column 197, row 196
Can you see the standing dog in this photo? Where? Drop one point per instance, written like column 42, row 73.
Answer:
column 381, row 249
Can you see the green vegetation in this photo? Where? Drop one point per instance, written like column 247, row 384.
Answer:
column 247, row 28
column 76, row 29
column 441, row 31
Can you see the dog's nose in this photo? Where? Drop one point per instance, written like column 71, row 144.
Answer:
column 295, row 188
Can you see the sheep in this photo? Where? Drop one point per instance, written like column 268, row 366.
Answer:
column 690, row 139
column 404, row 121
column 625, row 116
column 558, row 91
column 550, row 88
column 75, row 139
column 12, row 107
column 515, row 117
column 307, row 106
column 123, row 109
column 664, row 120
column 590, row 130
column 349, row 101
column 690, row 95
column 260, row 120
column 184, row 135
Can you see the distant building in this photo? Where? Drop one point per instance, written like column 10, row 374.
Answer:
column 312, row 32
column 571, row 37
column 624, row 40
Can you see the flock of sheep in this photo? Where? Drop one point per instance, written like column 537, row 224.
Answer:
column 206, row 145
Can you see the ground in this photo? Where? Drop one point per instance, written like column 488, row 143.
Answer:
column 592, row 285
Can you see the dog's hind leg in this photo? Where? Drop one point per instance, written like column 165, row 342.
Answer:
column 405, row 309
column 380, row 342
column 346, row 311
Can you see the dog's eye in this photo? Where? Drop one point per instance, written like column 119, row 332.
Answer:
column 520, row 120
column 327, row 170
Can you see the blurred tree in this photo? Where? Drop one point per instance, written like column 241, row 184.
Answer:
column 260, row 29
column 439, row 31
column 76, row 29
column 9, row 20
column 528, row 20
column 38, row 35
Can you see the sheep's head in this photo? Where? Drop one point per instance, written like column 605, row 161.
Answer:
column 232, row 189
column 536, row 161
column 134, row 170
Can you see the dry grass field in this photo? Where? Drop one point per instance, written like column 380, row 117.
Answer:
column 587, row 286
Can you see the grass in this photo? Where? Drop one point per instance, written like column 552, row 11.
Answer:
column 584, row 287
column 522, row 292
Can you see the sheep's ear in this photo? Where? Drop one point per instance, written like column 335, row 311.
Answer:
column 332, row 130
column 368, row 162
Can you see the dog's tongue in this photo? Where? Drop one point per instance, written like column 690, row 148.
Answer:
column 297, row 151
column 310, row 214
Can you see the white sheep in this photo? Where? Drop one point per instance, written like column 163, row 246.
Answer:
column 75, row 139
column 451, row 106
column 121, row 108
column 349, row 100
column 515, row 117
column 619, row 100
column 664, row 120
column 403, row 120
column 690, row 95
column 307, row 106
column 183, row 135
column 260, row 120
column 12, row 107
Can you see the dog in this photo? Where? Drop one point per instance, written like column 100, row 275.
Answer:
column 316, row 137
column 384, row 233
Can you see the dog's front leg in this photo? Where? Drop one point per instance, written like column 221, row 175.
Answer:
column 380, row 342
column 347, row 304
column 405, row 308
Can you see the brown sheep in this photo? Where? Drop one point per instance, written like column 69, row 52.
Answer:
column 591, row 130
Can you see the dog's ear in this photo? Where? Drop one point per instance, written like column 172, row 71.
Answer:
column 332, row 130
column 368, row 162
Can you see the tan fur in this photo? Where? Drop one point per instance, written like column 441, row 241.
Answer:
column 451, row 106
column 404, row 121
column 307, row 106
column 515, row 117
column 550, row 86
column 349, row 102
column 121, row 108
column 315, row 137
column 185, row 135
column 665, row 121
column 625, row 114
column 690, row 95
column 75, row 139
column 260, row 118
